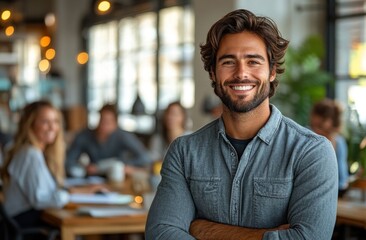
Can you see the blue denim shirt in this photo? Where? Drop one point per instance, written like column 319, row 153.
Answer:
column 287, row 174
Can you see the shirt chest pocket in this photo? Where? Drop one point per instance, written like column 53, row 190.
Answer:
column 271, row 197
column 205, row 193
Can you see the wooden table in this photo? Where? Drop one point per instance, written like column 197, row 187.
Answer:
column 72, row 225
column 351, row 213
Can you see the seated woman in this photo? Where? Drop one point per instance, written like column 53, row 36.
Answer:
column 33, row 171
column 173, row 124
column 326, row 119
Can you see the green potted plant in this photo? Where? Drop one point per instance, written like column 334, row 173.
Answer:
column 304, row 80
column 356, row 140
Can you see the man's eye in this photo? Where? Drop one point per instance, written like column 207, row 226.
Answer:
column 253, row 62
column 228, row 63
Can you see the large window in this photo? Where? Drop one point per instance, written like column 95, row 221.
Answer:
column 146, row 59
column 102, row 67
column 350, row 72
column 351, row 56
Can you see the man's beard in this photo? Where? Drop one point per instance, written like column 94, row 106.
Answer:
column 241, row 106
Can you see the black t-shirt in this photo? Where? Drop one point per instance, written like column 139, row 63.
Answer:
column 239, row 144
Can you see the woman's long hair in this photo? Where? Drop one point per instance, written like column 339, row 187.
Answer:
column 165, row 130
column 54, row 153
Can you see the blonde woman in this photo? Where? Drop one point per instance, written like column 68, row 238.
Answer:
column 33, row 171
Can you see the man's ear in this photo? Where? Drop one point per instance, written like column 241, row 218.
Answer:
column 212, row 76
column 273, row 74
column 213, row 79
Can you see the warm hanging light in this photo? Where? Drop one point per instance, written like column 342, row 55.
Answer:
column 5, row 15
column 103, row 6
column 45, row 41
column 9, row 31
column 50, row 54
column 50, row 19
column 44, row 66
column 82, row 58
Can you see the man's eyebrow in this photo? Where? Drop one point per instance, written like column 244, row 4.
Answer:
column 226, row 56
column 256, row 56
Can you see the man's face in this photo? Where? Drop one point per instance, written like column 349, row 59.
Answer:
column 107, row 123
column 321, row 125
column 242, row 72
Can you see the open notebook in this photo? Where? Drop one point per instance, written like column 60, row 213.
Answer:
column 110, row 211
column 72, row 182
column 105, row 198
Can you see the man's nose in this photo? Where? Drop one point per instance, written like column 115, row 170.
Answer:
column 241, row 71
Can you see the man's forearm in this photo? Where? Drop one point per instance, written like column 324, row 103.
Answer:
column 206, row 230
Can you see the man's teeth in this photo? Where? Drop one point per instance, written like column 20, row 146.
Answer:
column 242, row 88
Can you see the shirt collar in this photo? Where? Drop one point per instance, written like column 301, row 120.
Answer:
column 267, row 132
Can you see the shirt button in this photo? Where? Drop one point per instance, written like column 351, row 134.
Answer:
column 232, row 154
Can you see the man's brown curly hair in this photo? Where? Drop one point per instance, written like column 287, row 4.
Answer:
column 239, row 21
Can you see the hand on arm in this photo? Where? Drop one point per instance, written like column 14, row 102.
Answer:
column 92, row 169
column 207, row 230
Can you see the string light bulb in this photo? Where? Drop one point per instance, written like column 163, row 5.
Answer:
column 50, row 54
column 50, row 19
column 103, row 7
column 9, row 31
column 5, row 15
column 45, row 41
column 44, row 66
column 82, row 58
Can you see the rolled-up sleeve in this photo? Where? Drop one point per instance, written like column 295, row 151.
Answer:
column 172, row 210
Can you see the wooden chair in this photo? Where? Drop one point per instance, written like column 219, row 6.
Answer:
column 10, row 229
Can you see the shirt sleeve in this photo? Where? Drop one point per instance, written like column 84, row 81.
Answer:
column 313, row 203
column 342, row 153
column 38, row 185
column 137, row 153
column 172, row 210
column 74, row 151
column 156, row 147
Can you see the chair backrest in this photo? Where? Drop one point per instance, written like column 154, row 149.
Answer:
column 10, row 223
column 13, row 231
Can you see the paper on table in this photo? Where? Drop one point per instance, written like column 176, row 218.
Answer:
column 109, row 211
column 106, row 198
column 71, row 182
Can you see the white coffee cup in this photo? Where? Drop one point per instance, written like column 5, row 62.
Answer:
column 116, row 173
column 113, row 168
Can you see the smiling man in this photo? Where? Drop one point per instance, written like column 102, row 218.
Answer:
column 253, row 173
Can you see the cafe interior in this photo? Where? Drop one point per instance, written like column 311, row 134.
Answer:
column 143, row 55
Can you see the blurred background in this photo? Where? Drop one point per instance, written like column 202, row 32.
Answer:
column 144, row 54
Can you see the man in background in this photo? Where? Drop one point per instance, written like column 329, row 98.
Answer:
column 106, row 146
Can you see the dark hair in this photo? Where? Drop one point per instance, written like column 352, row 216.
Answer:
column 166, row 111
column 243, row 20
column 329, row 109
column 110, row 107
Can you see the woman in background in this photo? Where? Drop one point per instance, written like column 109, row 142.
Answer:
column 173, row 125
column 33, row 171
column 326, row 119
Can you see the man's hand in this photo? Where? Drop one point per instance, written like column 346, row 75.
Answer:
column 92, row 169
column 206, row 230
